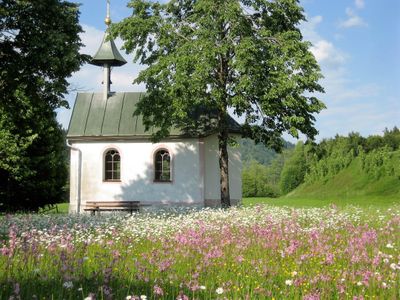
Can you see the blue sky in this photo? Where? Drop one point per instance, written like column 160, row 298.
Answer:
column 356, row 42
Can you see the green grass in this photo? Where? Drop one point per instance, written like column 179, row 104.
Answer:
column 63, row 208
column 59, row 208
column 362, row 201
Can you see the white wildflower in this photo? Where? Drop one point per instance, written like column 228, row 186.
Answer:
column 219, row 290
column 359, row 283
column 389, row 245
column 385, row 260
column 202, row 287
column 289, row 282
column 68, row 284
column 143, row 297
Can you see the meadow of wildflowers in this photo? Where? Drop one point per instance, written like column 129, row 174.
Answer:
column 261, row 252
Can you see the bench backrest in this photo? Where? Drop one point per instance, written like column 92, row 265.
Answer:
column 112, row 203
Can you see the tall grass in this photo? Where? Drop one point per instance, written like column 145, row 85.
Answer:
column 259, row 252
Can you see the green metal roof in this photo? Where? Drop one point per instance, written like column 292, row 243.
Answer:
column 93, row 116
column 108, row 54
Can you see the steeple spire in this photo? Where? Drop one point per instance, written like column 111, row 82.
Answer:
column 108, row 19
column 108, row 55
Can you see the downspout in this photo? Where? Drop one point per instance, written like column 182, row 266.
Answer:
column 78, row 177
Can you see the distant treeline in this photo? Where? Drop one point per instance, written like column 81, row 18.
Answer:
column 308, row 163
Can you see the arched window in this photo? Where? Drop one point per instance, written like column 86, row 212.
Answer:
column 112, row 166
column 162, row 166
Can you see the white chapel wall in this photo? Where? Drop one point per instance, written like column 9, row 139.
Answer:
column 137, row 174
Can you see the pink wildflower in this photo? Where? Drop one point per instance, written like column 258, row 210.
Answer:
column 158, row 290
column 329, row 258
column 239, row 258
column 312, row 296
column 182, row 296
column 5, row 251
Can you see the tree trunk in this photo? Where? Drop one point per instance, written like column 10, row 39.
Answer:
column 223, row 164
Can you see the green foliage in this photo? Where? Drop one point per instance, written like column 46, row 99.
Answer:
column 216, row 54
column 347, row 163
column 380, row 162
column 251, row 151
column 335, row 155
column 353, row 183
column 39, row 50
column 256, row 181
column 294, row 169
column 390, row 139
column 353, row 167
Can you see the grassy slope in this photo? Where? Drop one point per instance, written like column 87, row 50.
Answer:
column 350, row 186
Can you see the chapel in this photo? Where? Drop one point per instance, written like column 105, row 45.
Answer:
column 112, row 157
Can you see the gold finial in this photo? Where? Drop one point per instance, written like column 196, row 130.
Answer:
column 108, row 19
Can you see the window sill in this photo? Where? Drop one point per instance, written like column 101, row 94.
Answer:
column 162, row 181
column 111, row 181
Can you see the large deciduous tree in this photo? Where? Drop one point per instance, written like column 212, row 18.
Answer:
column 244, row 55
column 39, row 49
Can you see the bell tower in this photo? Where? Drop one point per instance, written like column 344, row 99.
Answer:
column 107, row 56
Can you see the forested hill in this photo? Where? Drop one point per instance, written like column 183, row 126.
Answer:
column 251, row 151
column 358, row 180
column 345, row 167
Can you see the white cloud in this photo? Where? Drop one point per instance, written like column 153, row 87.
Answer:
column 325, row 52
column 351, row 104
column 359, row 4
column 353, row 20
column 91, row 37
column 308, row 29
column 359, row 115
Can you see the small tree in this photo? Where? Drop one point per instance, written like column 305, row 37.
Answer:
column 247, row 55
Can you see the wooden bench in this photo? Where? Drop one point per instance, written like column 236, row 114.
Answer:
column 97, row 206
